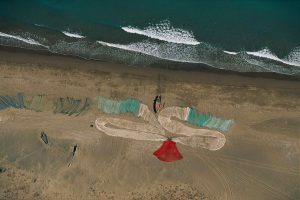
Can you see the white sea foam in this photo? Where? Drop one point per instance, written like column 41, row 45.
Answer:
column 266, row 53
column 157, row 51
column 230, row 52
column 292, row 59
column 26, row 40
column 165, row 32
column 39, row 25
column 294, row 56
column 74, row 35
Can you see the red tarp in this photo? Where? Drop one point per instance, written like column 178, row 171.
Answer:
column 168, row 152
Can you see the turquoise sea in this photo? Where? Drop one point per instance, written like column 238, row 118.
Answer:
column 236, row 35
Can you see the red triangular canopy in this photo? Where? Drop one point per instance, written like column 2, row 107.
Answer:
column 168, row 152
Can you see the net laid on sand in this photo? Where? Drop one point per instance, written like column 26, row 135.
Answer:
column 119, row 107
column 133, row 106
column 118, row 127
column 168, row 152
column 38, row 103
column 71, row 106
column 171, row 119
column 207, row 120
column 12, row 101
column 149, row 117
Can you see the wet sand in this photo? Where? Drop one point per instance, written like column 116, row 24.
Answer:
column 260, row 159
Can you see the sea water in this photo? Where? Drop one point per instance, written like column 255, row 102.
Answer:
column 238, row 35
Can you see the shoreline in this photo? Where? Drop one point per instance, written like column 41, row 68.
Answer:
column 172, row 66
column 16, row 56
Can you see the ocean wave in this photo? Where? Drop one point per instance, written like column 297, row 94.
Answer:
column 74, row 35
column 165, row 51
column 230, row 52
column 26, row 40
column 165, row 32
column 209, row 55
column 294, row 56
column 292, row 59
column 266, row 53
column 148, row 52
column 39, row 25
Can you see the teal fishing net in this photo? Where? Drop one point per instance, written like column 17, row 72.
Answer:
column 225, row 125
column 196, row 118
column 12, row 101
column 117, row 107
column 209, row 121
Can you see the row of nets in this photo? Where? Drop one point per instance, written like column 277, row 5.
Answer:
column 71, row 106
column 39, row 103
column 139, row 109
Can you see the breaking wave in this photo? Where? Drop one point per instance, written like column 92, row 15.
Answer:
column 230, row 52
column 74, row 35
column 266, row 53
column 165, row 32
column 292, row 59
column 149, row 52
column 26, row 40
column 162, row 51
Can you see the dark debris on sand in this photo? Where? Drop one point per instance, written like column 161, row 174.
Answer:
column 2, row 169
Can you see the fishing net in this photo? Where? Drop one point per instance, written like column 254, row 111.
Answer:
column 207, row 120
column 37, row 103
column 211, row 142
column 218, row 123
column 71, row 106
column 171, row 125
column 168, row 152
column 12, row 101
column 148, row 116
column 196, row 118
column 118, row 127
column 172, row 119
column 117, row 107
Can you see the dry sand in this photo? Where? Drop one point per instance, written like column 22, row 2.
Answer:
column 260, row 159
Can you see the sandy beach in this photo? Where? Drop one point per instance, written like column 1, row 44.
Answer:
column 260, row 159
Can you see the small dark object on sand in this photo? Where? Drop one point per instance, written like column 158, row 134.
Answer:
column 44, row 137
column 74, row 150
column 2, row 169
column 157, row 103
column 73, row 154
column 91, row 125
